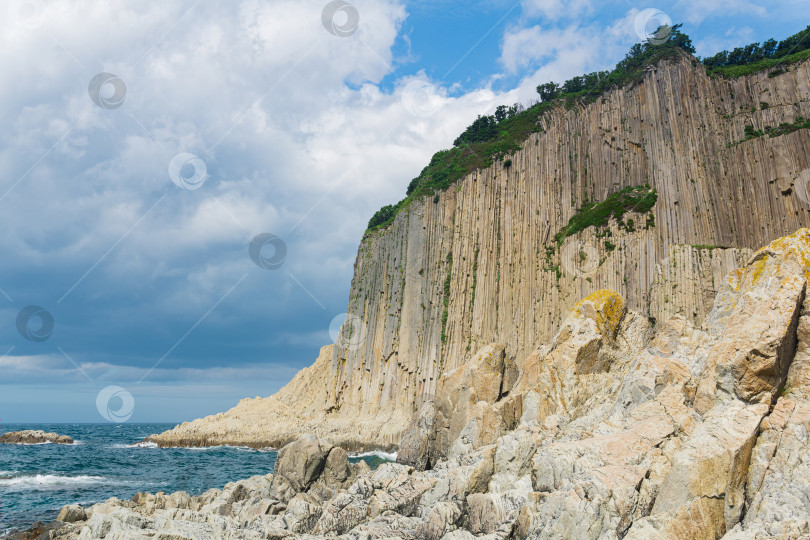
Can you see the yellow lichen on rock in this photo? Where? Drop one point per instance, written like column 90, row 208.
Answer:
column 797, row 244
column 605, row 307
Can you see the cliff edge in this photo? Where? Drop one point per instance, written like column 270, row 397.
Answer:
column 485, row 260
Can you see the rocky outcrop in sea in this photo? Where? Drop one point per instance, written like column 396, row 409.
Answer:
column 33, row 437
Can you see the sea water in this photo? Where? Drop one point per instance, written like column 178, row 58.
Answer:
column 108, row 460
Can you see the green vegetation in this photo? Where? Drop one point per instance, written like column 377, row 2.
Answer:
column 446, row 298
column 639, row 199
column 755, row 57
column 782, row 129
column 500, row 135
column 384, row 216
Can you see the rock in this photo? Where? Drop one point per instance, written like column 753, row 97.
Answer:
column 33, row 437
column 415, row 446
column 758, row 318
column 298, row 465
column 460, row 413
column 336, row 471
column 71, row 513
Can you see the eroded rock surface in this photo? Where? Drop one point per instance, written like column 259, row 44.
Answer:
column 614, row 429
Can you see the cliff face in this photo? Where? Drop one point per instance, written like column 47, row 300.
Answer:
column 614, row 428
column 477, row 252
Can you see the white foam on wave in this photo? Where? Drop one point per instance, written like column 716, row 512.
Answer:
column 51, row 480
column 388, row 456
column 135, row 445
column 225, row 446
column 31, row 443
column 143, row 444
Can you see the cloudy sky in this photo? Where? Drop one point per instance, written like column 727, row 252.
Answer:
column 147, row 144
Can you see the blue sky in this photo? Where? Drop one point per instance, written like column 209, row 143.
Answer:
column 301, row 133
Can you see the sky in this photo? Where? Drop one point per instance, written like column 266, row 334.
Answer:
column 184, row 183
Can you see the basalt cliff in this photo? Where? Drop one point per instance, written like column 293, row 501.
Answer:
column 484, row 261
column 614, row 428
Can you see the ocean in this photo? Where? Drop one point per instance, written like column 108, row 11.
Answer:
column 107, row 461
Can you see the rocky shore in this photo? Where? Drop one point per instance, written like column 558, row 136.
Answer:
column 33, row 437
column 616, row 428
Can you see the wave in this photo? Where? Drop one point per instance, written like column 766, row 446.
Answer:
column 220, row 447
column 52, row 480
column 387, row 456
column 141, row 444
column 31, row 443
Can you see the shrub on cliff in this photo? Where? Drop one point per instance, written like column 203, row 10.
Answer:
column 494, row 137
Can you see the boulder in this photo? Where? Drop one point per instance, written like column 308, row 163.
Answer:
column 298, row 465
column 72, row 513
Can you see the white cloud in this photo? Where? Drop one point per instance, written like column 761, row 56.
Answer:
column 552, row 10
column 259, row 92
column 696, row 11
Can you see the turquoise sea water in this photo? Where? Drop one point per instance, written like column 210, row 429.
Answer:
column 106, row 461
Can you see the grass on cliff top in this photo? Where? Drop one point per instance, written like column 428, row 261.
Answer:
column 747, row 69
column 757, row 57
column 495, row 137
column 639, row 199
